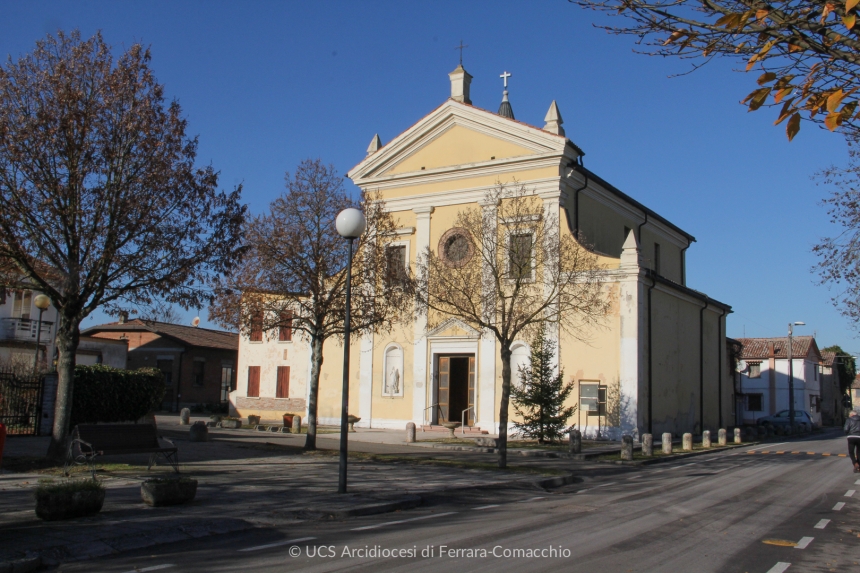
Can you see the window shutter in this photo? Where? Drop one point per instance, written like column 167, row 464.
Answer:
column 283, row 389
column 285, row 332
column 254, row 381
column 257, row 327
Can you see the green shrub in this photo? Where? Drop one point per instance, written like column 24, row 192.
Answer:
column 105, row 394
column 50, row 487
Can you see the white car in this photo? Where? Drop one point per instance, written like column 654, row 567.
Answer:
column 781, row 419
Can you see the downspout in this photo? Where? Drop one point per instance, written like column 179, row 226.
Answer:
column 639, row 230
column 650, row 353
column 179, row 379
column 684, row 265
column 720, row 369
column 702, row 367
column 576, row 196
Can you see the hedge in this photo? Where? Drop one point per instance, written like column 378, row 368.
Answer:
column 105, row 394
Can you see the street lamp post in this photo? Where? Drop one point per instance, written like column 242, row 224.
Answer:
column 42, row 302
column 350, row 225
column 791, row 326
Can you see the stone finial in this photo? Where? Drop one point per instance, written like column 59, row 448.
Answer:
column 374, row 146
column 460, row 81
column 553, row 120
column 630, row 251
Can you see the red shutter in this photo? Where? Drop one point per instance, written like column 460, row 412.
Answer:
column 257, row 327
column 283, row 390
column 254, row 381
column 285, row 333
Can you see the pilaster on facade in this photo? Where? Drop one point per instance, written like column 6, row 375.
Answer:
column 419, row 348
column 551, row 238
column 365, row 381
column 633, row 318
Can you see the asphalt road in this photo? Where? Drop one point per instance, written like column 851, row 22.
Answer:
column 786, row 507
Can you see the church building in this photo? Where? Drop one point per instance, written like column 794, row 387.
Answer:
column 658, row 364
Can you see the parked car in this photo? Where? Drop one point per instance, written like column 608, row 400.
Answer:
column 781, row 419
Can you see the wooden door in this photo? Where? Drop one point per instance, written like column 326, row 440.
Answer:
column 444, row 387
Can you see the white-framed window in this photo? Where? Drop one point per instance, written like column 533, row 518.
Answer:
column 392, row 377
column 592, row 398
column 396, row 263
column 754, row 370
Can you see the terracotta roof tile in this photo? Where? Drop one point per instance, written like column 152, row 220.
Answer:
column 757, row 348
column 192, row 336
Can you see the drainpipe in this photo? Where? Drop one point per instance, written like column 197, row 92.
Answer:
column 684, row 265
column 702, row 367
column 576, row 196
column 720, row 347
column 650, row 352
column 639, row 230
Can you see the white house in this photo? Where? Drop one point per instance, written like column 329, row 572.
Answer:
column 763, row 385
column 19, row 328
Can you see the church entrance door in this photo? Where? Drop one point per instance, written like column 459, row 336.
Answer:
column 455, row 387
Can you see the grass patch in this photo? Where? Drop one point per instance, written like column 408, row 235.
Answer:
column 45, row 466
column 454, row 441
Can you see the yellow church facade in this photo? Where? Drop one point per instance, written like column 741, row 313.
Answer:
column 658, row 363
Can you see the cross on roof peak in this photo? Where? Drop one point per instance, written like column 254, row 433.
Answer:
column 505, row 75
column 461, row 47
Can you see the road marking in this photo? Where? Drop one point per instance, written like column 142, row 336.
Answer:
column 796, row 452
column 849, row 493
column 779, row 542
column 582, row 491
column 839, row 506
column 822, row 524
column 779, row 567
column 842, row 455
column 767, row 446
column 153, row 568
column 402, row 521
column 857, row 482
column 780, row 452
column 485, row 507
column 603, row 485
column 278, row 544
column 804, row 542
column 810, row 453
column 825, row 454
column 531, row 499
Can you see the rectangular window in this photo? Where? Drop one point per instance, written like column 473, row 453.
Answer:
column 755, row 370
column 253, row 381
column 166, row 367
column 657, row 258
column 257, row 327
column 754, row 402
column 197, row 371
column 395, row 265
column 22, row 303
column 283, row 388
column 592, row 399
column 814, row 403
column 285, row 329
column 520, row 256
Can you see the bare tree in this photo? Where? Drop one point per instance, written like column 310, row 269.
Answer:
column 808, row 51
column 160, row 311
column 102, row 204
column 293, row 275
column 508, row 269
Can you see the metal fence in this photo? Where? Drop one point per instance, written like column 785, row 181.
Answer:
column 21, row 403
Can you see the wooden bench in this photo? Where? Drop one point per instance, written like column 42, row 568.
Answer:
column 92, row 440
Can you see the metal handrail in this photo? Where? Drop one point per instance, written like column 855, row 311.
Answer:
column 424, row 413
column 463, row 420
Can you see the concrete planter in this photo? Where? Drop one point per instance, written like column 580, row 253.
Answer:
column 160, row 492
column 231, row 424
column 52, row 506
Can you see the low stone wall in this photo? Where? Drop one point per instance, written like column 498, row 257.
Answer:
column 270, row 410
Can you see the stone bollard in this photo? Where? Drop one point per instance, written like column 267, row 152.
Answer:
column 687, row 442
column 721, row 437
column 738, row 439
column 198, row 432
column 184, row 417
column 410, row 433
column 706, row 439
column 647, row 445
column 575, row 445
column 627, row 448
column 297, row 425
column 667, row 443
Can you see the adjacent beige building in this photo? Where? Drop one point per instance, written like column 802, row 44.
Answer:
column 658, row 363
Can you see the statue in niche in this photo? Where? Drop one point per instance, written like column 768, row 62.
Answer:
column 393, row 383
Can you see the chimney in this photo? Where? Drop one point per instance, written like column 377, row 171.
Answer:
column 123, row 317
column 460, row 80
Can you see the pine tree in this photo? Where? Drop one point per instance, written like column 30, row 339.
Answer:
column 539, row 398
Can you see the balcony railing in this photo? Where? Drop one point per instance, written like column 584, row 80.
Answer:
column 24, row 329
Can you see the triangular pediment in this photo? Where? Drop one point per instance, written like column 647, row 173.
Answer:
column 455, row 328
column 455, row 135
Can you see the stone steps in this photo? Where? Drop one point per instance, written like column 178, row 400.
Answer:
column 474, row 430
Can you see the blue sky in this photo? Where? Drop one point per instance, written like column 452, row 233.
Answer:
column 268, row 84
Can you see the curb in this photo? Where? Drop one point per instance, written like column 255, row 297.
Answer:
column 408, row 502
column 674, row 457
column 21, row 565
column 559, row 481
